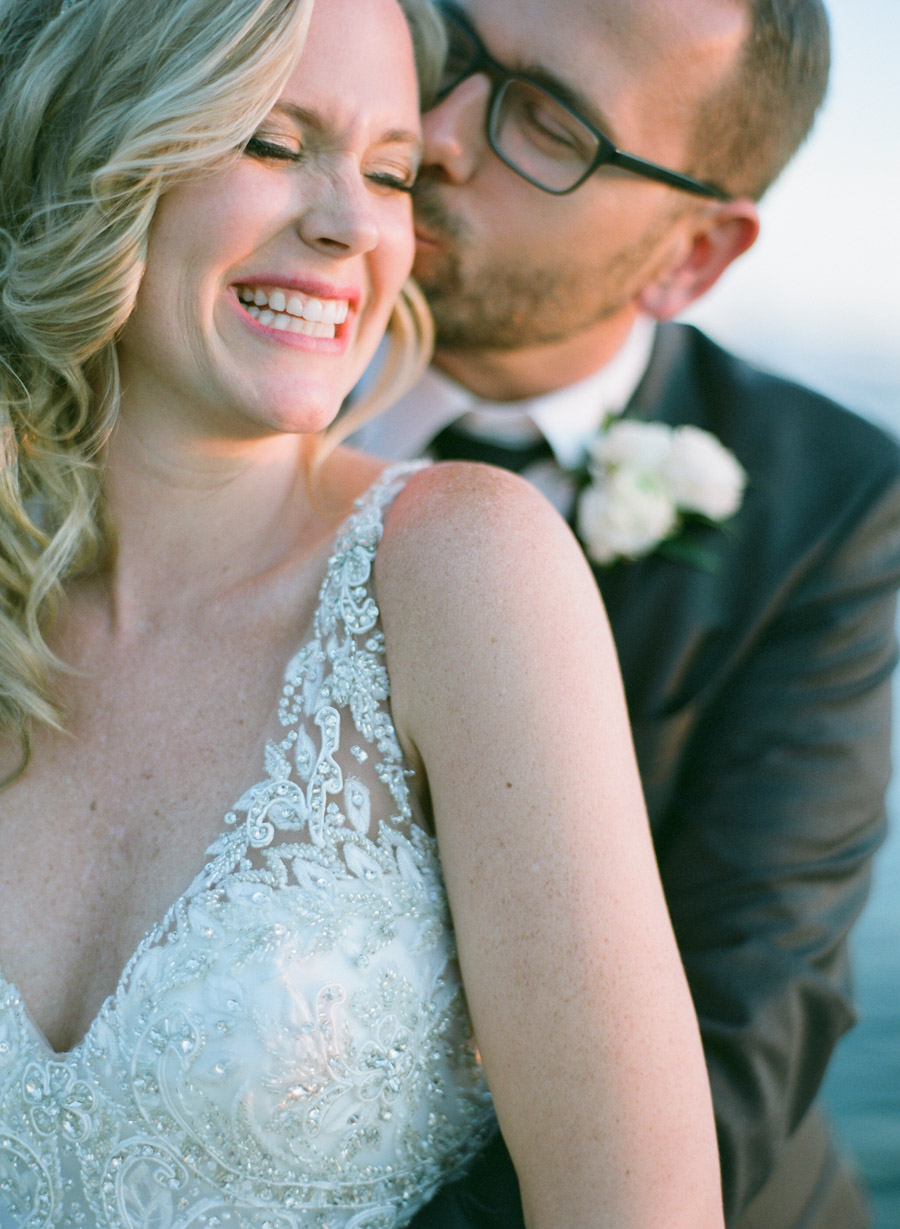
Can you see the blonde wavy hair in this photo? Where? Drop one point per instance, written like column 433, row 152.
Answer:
column 104, row 104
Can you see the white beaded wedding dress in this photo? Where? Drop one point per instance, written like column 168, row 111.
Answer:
column 289, row 1048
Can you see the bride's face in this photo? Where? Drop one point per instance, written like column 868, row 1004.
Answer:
column 268, row 286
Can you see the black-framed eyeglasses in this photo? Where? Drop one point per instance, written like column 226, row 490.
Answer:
column 534, row 131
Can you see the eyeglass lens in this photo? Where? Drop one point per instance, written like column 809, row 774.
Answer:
column 531, row 131
column 539, row 137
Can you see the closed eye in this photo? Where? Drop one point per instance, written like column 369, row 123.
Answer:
column 261, row 147
column 397, row 183
column 548, row 127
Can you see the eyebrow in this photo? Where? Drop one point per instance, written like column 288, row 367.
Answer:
column 313, row 119
column 541, row 75
column 571, row 96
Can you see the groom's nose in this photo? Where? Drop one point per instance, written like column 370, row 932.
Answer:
column 454, row 129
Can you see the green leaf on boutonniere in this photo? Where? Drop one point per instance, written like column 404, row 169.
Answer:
column 683, row 550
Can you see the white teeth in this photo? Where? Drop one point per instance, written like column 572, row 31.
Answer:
column 311, row 328
column 274, row 309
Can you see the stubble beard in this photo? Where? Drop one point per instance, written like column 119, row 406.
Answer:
column 492, row 306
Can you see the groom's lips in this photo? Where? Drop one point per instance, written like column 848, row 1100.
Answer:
column 425, row 241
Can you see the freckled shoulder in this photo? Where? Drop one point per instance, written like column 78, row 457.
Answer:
column 460, row 531
column 475, row 569
column 460, row 526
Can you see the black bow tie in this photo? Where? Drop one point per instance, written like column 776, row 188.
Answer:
column 454, row 444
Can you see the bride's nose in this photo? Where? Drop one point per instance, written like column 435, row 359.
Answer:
column 338, row 215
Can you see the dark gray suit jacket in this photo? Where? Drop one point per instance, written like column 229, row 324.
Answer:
column 758, row 689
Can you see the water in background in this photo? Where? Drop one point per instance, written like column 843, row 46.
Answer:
column 863, row 1083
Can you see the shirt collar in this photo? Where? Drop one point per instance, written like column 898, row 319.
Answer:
column 407, row 427
column 567, row 417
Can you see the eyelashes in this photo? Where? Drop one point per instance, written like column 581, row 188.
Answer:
column 273, row 151
column 259, row 147
column 391, row 181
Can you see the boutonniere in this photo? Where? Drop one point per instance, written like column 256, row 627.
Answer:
column 645, row 480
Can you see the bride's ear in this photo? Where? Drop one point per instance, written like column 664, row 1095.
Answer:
column 706, row 247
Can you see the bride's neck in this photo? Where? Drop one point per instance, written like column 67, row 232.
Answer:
column 196, row 517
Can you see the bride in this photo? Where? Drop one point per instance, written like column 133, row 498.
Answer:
column 204, row 232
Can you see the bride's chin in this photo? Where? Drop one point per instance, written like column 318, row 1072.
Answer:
column 312, row 418
column 296, row 410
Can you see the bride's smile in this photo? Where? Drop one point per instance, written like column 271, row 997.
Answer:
column 269, row 284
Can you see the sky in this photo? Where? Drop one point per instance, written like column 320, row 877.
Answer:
column 818, row 296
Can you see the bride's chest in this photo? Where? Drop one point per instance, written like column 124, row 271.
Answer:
column 288, row 1042
column 112, row 820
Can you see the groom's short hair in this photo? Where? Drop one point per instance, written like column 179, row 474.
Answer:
column 752, row 125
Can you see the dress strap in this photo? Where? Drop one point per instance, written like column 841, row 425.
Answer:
column 346, row 595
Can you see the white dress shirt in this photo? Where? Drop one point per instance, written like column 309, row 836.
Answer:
column 567, row 418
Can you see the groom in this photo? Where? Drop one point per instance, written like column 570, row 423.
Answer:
column 756, row 655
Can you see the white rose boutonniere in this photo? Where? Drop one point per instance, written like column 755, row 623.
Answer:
column 644, row 479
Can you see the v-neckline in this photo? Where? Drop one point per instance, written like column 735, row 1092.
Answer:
column 157, row 930
column 373, row 496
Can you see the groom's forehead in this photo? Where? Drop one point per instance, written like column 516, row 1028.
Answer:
column 587, row 41
column 645, row 63
column 523, row 27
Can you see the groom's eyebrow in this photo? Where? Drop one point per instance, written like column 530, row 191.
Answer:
column 542, row 75
column 569, row 94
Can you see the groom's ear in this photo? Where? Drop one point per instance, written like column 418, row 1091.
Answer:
column 704, row 247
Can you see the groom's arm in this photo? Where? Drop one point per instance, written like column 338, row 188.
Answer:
column 778, row 811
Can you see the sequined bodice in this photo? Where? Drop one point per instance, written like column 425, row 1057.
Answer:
column 289, row 1048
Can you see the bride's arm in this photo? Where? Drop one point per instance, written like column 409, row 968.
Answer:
column 506, row 692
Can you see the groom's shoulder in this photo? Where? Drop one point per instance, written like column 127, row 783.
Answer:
column 778, row 426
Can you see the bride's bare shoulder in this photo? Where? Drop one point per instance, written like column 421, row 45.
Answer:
column 472, row 544
column 453, row 518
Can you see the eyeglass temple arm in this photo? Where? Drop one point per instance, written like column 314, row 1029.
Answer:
column 650, row 170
